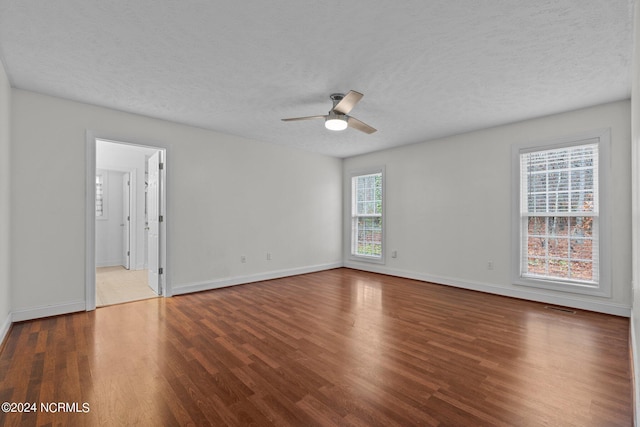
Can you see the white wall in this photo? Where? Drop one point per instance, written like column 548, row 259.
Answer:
column 227, row 197
column 5, row 262
column 109, row 229
column 635, row 180
column 448, row 206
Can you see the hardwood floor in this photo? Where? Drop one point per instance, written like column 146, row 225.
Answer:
column 335, row 348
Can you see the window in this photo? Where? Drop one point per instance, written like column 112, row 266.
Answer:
column 367, row 216
column 101, row 195
column 559, row 215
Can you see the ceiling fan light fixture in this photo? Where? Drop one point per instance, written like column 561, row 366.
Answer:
column 338, row 119
column 335, row 123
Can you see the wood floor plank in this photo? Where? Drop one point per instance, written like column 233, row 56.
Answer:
column 334, row 348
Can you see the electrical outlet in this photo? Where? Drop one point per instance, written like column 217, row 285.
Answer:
column 489, row 265
column 243, row 258
column 394, row 254
column 268, row 256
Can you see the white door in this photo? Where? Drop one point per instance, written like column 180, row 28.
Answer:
column 126, row 220
column 153, row 211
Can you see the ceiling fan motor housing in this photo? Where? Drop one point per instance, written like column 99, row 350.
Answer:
column 336, row 97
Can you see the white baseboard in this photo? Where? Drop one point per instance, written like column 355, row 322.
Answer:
column 109, row 263
column 602, row 307
column 47, row 310
column 241, row 280
column 4, row 329
column 567, row 301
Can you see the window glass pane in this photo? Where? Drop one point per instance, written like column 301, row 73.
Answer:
column 537, row 182
column 558, row 181
column 583, row 156
column 367, row 222
column 368, row 195
column 537, row 225
column 582, row 201
column 559, row 248
column 558, row 226
column 559, row 254
column 581, row 226
column 558, row 202
column 558, row 268
column 555, row 184
column 582, row 179
column 537, row 266
column 369, row 236
column 582, row 270
column 537, row 246
column 99, row 196
column 370, row 208
column 551, row 173
column 536, row 162
column 557, row 159
column 538, row 203
column 582, row 249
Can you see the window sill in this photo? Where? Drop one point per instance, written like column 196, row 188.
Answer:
column 367, row 259
column 556, row 285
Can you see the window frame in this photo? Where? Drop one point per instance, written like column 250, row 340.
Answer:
column 602, row 138
column 352, row 197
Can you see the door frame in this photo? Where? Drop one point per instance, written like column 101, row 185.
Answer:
column 154, row 219
column 90, row 214
column 128, row 212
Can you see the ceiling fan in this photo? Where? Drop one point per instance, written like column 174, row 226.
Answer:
column 337, row 118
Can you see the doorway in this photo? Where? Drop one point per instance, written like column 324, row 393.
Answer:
column 126, row 200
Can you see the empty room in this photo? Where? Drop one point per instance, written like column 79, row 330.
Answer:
column 319, row 213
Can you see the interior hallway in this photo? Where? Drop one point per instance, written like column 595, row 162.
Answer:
column 115, row 285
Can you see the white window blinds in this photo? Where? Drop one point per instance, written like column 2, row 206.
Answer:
column 100, row 196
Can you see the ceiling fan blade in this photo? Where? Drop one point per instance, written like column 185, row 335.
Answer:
column 293, row 119
column 348, row 102
column 361, row 126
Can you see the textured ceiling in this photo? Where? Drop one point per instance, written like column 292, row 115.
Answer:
column 427, row 68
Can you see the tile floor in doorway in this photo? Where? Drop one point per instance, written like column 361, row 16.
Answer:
column 115, row 285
